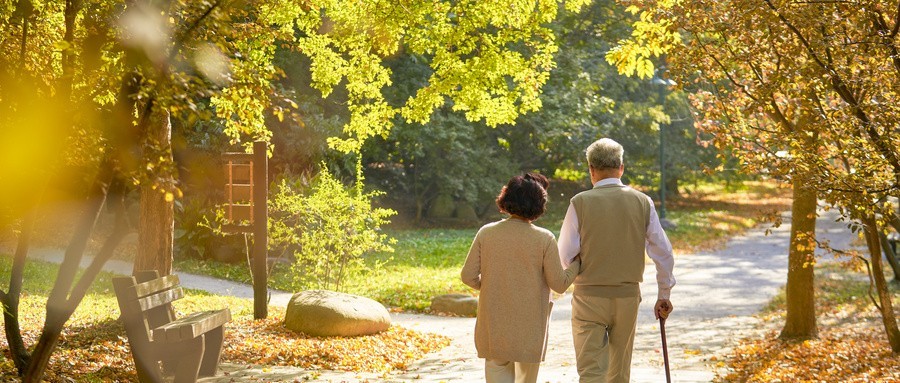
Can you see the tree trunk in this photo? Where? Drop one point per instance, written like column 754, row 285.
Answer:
column 24, row 8
column 157, row 221
column 800, row 322
column 884, row 296
column 10, row 299
column 420, row 206
column 895, row 221
column 58, row 315
column 46, row 344
column 59, row 307
column 889, row 254
column 672, row 185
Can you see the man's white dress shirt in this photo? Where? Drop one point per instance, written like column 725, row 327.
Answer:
column 658, row 246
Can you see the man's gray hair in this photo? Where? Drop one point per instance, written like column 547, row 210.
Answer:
column 605, row 154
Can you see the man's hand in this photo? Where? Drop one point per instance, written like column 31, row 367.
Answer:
column 663, row 308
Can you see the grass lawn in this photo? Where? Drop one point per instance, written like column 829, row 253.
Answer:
column 93, row 345
column 852, row 345
column 426, row 262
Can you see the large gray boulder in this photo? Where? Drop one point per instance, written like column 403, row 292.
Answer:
column 457, row 304
column 329, row 313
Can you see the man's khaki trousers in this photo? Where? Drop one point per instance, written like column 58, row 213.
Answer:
column 603, row 330
column 500, row 371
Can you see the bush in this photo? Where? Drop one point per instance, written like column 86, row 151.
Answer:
column 329, row 231
column 198, row 233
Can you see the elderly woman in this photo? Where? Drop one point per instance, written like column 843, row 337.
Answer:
column 515, row 264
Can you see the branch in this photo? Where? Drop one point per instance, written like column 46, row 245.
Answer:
column 896, row 29
column 10, row 300
column 866, row 191
column 841, row 87
column 838, row 143
column 106, row 252
column 827, row 247
column 799, row 35
column 756, row 72
column 26, row 8
column 758, row 145
column 871, row 281
column 895, row 222
column 68, row 70
column 731, row 79
column 888, row 37
column 828, row 55
column 780, row 117
column 889, row 254
column 17, row 275
column 758, row 127
column 776, row 52
column 75, row 251
column 749, row 140
column 182, row 38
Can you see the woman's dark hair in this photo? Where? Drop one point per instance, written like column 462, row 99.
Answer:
column 524, row 196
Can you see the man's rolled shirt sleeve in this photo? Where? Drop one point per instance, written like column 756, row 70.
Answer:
column 569, row 240
column 659, row 249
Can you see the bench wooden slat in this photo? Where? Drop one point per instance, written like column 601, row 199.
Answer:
column 161, row 298
column 191, row 326
column 159, row 284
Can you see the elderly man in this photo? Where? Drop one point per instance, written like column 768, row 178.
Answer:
column 611, row 226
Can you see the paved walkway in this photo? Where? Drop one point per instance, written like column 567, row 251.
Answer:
column 715, row 300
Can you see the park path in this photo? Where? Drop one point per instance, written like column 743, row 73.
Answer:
column 717, row 295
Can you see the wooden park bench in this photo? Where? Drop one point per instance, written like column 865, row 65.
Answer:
column 161, row 344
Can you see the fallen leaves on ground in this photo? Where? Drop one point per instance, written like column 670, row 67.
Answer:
column 95, row 352
column 268, row 342
column 839, row 355
column 99, row 351
column 852, row 346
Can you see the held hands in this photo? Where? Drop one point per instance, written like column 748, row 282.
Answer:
column 577, row 263
column 663, row 308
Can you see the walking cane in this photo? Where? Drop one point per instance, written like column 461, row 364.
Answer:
column 662, row 330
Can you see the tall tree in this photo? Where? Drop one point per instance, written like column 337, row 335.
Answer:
column 126, row 64
column 584, row 99
column 157, row 215
column 800, row 321
column 832, row 65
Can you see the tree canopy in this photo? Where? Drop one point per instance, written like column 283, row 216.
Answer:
column 93, row 84
column 583, row 100
column 806, row 91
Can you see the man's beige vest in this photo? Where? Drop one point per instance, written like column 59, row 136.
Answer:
column 612, row 222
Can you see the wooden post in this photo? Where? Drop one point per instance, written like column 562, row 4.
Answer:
column 260, row 230
column 246, row 192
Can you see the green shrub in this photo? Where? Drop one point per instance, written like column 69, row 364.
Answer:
column 328, row 231
column 199, row 235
